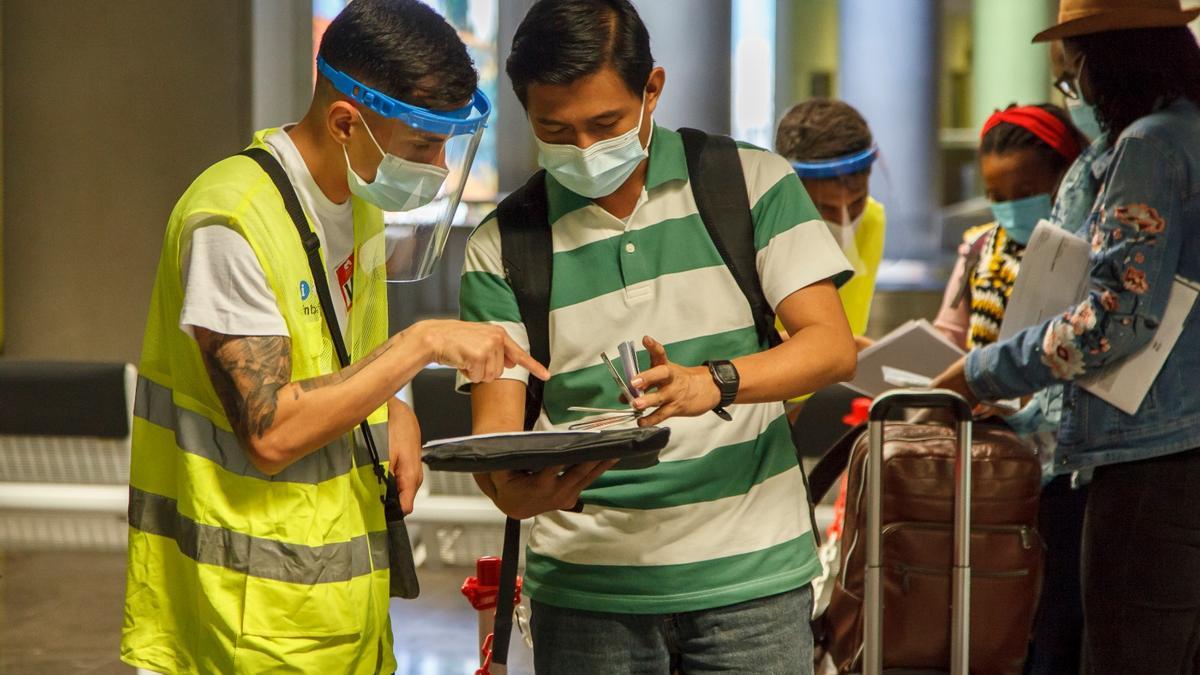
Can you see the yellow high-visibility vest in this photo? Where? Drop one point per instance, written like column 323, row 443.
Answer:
column 231, row 570
column 858, row 293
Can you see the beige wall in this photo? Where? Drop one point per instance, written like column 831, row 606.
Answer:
column 110, row 109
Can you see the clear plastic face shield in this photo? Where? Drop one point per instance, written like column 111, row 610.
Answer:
column 424, row 158
column 840, row 189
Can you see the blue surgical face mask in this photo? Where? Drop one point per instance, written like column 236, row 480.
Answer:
column 1019, row 216
column 1084, row 116
column 1082, row 113
column 599, row 169
column 399, row 185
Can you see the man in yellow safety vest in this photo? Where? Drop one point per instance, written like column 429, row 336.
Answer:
column 257, row 537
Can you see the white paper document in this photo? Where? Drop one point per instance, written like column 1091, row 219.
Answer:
column 902, row 378
column 1054, row 276
column 914, row 350
column 1125, row 384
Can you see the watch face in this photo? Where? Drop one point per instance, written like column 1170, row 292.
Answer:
column 726, row 372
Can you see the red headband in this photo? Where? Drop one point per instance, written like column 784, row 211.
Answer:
column 1040, row 123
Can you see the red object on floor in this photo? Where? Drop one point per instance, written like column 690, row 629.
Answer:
column 482, row 590
column 860, row 408
column 486, row 650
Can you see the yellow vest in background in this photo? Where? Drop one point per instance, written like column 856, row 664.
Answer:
column 231, row 570
column 858, row 293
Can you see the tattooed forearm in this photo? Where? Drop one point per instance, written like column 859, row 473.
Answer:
column 247, row 373
column 251, row 373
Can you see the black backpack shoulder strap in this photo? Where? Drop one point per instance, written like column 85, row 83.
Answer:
column 312, row 247
column 527, row 253
column 719, row 188
column 833, row 463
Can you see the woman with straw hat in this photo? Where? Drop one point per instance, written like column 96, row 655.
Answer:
column 1133, row 82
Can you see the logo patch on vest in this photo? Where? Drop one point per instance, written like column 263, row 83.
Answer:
column 345, row 276
column 305, row 289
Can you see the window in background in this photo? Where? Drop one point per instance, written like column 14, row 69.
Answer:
column 753, row 100
column 476, row 22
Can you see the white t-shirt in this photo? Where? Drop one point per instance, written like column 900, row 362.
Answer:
column 224, row 287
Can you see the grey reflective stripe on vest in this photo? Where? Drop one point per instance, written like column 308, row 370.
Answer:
column 379, row 549
column 196, row 434
column 256, row 556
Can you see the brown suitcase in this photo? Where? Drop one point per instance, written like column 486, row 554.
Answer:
column 1003, row 562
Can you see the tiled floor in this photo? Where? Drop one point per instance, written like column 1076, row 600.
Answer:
column 60, row 612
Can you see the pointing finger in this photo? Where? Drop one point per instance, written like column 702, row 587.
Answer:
column 522, row 358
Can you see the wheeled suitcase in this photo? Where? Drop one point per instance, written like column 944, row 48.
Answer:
column 922, row 499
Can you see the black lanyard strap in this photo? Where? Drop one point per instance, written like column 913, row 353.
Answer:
column 312, row 247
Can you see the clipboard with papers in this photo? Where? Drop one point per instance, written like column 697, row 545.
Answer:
column 635, row 448
column 914, row 353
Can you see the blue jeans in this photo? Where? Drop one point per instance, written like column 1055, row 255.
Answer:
column 766, row 636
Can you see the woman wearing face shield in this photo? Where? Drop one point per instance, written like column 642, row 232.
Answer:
column 1135, row 195
column 831, row 149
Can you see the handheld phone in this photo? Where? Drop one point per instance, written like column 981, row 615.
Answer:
column 629, row 364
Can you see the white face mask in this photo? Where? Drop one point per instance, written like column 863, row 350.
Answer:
column 400, row 184
column 598, row 170
column 845, row 233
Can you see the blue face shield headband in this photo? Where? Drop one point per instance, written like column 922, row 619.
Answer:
column 845, row 165
column 465, row 120
column 423, row 158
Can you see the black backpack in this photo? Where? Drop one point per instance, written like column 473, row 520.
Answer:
column 719, row 188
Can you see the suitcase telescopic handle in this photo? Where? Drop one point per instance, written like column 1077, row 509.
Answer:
column 888, row 401
column 961, row 576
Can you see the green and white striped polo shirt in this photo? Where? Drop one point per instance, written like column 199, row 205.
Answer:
column 723, row 518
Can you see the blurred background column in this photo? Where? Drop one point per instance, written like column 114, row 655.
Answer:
column 697, row 92
column 1006, row 67
column 806, row 61
column 516, row 157
column 888, row 52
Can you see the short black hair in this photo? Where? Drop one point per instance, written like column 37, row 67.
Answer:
column 1006, row 137
column 1132, row 72
column 821, row 128
column 560, row 41
column 403, row 48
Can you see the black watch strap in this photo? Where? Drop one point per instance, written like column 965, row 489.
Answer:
column 725, row 376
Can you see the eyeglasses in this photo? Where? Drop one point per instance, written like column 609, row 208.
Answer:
column 1068, row 85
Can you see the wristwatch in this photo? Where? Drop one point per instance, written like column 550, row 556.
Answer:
column 726, row 376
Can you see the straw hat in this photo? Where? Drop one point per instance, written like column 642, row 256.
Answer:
column 1082, row 17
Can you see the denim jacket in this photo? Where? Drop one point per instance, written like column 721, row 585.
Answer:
column 1144, row 227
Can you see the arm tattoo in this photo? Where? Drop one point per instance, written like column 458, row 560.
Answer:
column 247, row 373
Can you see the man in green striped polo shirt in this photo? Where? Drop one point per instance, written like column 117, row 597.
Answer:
column 703, row 562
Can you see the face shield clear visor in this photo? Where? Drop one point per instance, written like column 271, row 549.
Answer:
column 425, row 158
column 842, row 183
